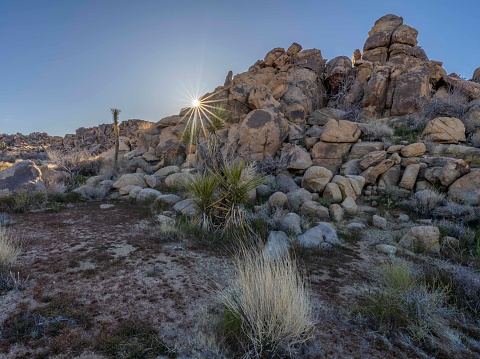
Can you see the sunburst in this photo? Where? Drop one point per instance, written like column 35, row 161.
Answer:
column 202, row 113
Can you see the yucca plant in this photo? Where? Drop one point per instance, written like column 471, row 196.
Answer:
column 204, row 188
column 220, row 196
column 116, row 131
column 236, row 180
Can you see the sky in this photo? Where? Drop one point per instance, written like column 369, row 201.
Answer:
column 64, row 64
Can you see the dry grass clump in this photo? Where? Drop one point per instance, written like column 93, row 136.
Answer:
column 10, row 248
column 268, row 304
column 375, row 131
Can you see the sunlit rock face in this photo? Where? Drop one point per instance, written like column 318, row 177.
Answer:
column 24, row 175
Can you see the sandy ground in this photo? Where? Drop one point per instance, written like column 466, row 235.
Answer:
column 100, row 267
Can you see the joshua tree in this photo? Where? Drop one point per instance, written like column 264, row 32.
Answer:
column 116, row 130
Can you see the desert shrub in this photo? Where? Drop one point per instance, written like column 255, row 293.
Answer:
column 453, row 104
column 268, row 304
column 12, row 281
column 132, row 338
column 220, row 198
column 22, row 201
column 375, row 131
column 409, row 133
column 474, row 139
column 10, row 248
column 456, row 211
column 92, row 192
column 466, row 235
column 271, row 165
column 425, row 201
column 466, row 287
column 405, row 304
column 70, row 159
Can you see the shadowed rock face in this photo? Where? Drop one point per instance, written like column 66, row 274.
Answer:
column 22, row 175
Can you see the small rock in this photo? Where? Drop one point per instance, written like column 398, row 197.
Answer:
column 379, row 222
column 314, row 210
column 356, row 225
column 386, row 248
column 278, row 200
column 290, row 224
column 106, row 206
column 336, row 212
column 350, row 206
column 298, row 197
column 422, row 238
column 323, row 235
column 277, row 245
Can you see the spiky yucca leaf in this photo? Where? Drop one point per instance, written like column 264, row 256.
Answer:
column 203, row 188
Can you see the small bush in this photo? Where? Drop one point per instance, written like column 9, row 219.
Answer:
column 405, row 304
column 269, row 302
column 411, row 134
column 458, row 230
column 132, row 338
column 425, row 201
column 10, row 248
column 70, row 159
column 22, row 201
column 466, row 287
column 375, row 131
column 458, row 211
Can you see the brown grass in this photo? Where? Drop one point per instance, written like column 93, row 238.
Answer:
column 272, row 302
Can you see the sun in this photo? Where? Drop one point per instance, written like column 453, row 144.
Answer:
column 196, row 102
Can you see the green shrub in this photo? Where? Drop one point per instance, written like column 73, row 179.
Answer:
column 22, row 201
column 405, row 304
column 268, row 306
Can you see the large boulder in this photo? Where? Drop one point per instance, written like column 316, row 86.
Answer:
column 412, row 91
column 22, row 175
column 340, row 131
column 466, row 189
column 414, row 150
column 381, row 33
column 330, row 155
column 445, row 130
column 135, row 179
column 316, row 178
column 295, row 157
column 371, row 174
column 422, row 238
column 261, row 134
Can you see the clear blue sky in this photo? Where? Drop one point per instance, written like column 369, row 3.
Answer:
column 65, row 63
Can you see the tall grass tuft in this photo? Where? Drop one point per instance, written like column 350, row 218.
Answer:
column 270, row 302
column 9, row 248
